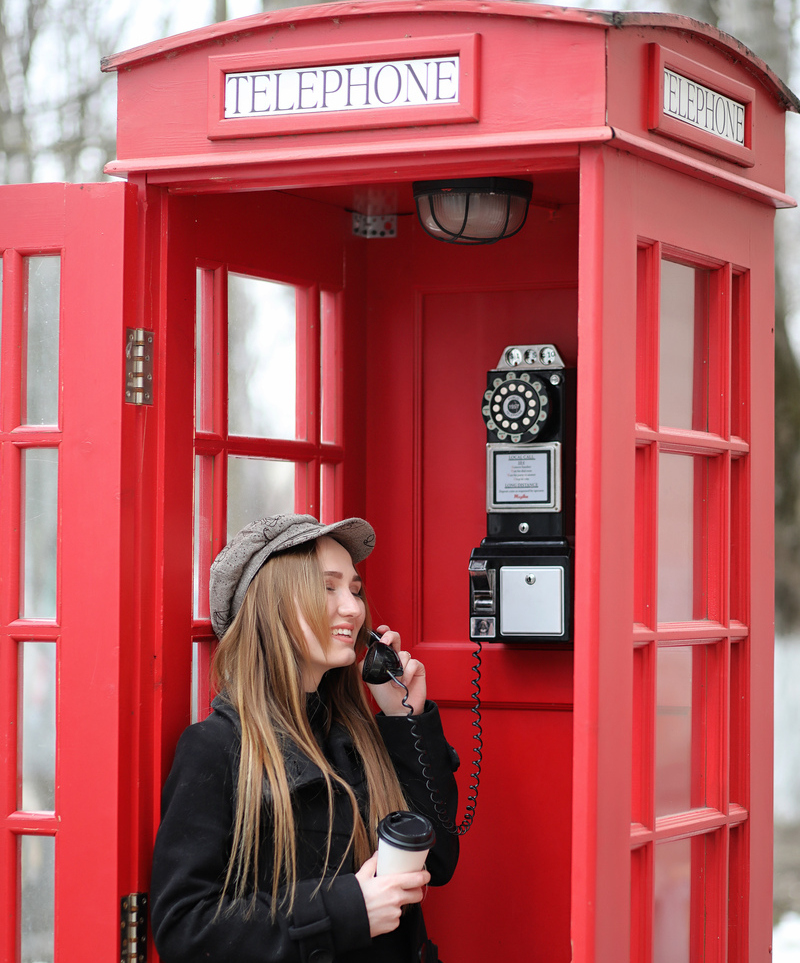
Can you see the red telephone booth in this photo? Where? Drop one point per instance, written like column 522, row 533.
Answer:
column 256, row 321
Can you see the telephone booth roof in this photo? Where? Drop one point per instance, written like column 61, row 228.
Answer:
column 534, row 83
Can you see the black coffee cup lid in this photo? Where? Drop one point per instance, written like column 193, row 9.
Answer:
column 407, row 831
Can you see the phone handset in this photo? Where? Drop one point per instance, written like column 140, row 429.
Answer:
column 382, row 664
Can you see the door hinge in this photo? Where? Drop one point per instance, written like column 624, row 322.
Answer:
column 133, row 928
column 139, row 344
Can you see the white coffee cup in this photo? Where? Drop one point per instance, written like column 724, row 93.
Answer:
column 404, row 839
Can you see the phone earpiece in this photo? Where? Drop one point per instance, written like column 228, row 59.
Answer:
column 381, row 663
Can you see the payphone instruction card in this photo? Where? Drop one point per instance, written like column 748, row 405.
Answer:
column 522, row 477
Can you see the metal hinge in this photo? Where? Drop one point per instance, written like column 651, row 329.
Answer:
column 133, row 928
column 139, row 366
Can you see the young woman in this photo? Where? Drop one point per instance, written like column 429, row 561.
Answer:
column 266, row 846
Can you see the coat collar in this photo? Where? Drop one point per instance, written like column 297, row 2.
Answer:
column 300, row 770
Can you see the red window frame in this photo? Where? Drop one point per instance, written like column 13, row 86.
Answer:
column 94, row 628
column 717, row 820
column 316, row 450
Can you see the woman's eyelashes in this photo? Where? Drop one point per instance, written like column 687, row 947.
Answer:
column 355, row 589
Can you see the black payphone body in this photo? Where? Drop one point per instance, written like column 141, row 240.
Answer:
column 520, row 576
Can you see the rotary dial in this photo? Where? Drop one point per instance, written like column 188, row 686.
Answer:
column 516, row 407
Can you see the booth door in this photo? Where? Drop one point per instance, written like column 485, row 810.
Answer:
column 257, row 369
column 64, row 861
column 673, row 680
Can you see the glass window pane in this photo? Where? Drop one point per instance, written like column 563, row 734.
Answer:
column 682, row 368
column 202, row 655
column 205, row 346
column 331, row 367
column 673, row 778
column 676, row 538
column 193, row 717
column 200, row 420
column 258, row 487
column 37, row 708
column 672, row 912
column 740, row 354
column 40, row 529
column 37, row 898
column 40, row 403
column 262, row 331
column 203, row 533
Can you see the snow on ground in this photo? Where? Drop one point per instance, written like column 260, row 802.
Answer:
column 786, row 939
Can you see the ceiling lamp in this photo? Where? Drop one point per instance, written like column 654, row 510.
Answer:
column 479, row 210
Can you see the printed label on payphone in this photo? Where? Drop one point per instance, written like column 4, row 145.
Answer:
column 521, row 575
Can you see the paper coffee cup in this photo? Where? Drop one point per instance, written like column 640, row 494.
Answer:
column 403, row 842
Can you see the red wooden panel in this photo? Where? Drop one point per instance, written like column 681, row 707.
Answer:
column 629, row 99
column 440, row 318
column 510, row 893
column 604, row 534
column 563, row 62
column 91, row 227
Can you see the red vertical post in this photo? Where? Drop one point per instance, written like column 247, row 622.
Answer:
column 604, row 535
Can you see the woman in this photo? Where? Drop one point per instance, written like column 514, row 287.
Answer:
column 266, row 846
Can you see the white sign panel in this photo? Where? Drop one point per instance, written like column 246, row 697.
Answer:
column 703, row 108
column 311, row 90
column 523, row 477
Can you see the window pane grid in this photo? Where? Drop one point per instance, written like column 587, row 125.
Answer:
column 37, row 898
column 37, row 726
column 738, row 950
column 690, row 623
column 684, row 360
column 39, row 534
column 40, row 339
column 272, row 349
column 206, row 349
column 740, row 356
column 330, row 368
column 30, row 439
column 265, row 341
column 672, row 894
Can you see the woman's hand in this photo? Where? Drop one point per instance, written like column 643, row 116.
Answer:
column 385, row 896
column 390, row 695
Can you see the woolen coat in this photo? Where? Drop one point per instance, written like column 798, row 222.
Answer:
column 328, row 923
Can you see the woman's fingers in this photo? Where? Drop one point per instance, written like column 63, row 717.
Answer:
column 389, row 637
column 385, row 896
column 368, row 868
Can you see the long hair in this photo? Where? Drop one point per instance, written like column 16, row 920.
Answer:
column 258, row 666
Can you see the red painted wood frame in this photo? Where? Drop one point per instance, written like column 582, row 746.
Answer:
column 316, row 450
column 316, row 461
column 90, row 228
column 628, row 225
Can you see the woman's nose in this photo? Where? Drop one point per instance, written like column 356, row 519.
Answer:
column 348, row 603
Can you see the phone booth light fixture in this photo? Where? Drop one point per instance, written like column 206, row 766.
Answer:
column 478, row 210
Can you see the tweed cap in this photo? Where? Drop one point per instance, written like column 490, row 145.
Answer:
column 236, row 565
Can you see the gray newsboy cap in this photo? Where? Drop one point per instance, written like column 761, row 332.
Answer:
column 236, row 565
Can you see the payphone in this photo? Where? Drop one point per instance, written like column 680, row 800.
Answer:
column 520, row 577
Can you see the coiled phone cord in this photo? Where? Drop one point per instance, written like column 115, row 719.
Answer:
column 477, row 753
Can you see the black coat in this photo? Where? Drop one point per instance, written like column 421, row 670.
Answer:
column 328, row 923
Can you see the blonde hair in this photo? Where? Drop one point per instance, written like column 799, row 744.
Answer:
column 258, row 667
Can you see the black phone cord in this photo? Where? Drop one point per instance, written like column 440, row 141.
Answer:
column 477, row 757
